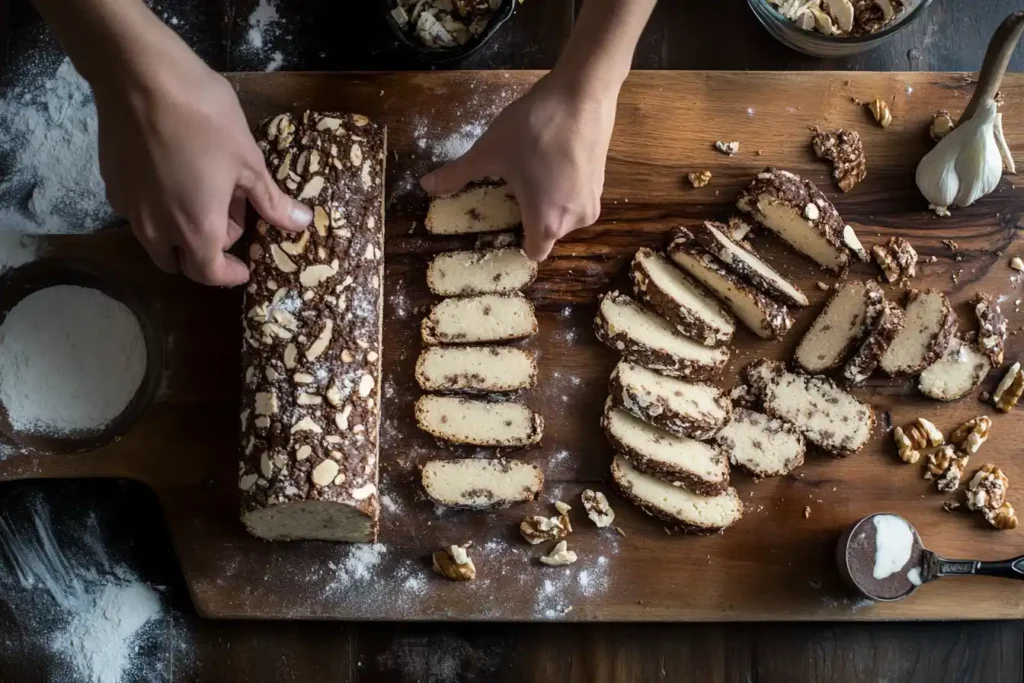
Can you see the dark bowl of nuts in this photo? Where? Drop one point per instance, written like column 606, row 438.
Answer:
column 447, row 30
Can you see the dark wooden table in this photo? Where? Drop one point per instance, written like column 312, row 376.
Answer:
column 684, row 34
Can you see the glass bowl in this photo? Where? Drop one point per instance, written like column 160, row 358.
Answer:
column 441, row 55
column 816, row 44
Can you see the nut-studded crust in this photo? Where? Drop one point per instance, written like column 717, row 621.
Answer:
column 791, row 190
column 660, row 360
column 991, row 328
column 662, row 416
column 312, row 330
column 844, row 149
column 687, row 321
column 777, row 319
column 688, row 479
column 864, row 362
column 940, row 340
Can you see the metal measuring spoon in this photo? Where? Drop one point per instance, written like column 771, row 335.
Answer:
column 857, row 558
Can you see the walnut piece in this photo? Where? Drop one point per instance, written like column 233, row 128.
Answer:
column 699, row 178
column 972, row 434
column 1004, row 517
column 880, row 110
column 454, row 563
column 537, row 529
column 991, row 328
column 729, row 148
column 886, row 262
column 598, row 509
column 905, row 447
column 844, row 149
column 942, row 125
column 1010, row 388
column 987, row 489
column 945, row 468
column 559, row 556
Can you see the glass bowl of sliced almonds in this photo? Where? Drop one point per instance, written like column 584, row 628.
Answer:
column 836, row 28
column 447, row 30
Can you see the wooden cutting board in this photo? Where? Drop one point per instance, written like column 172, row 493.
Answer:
column 777, row 562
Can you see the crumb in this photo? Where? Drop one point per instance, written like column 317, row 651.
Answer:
column 619, row 531
column 950, row 244
column 807, row 512
column 822, row 286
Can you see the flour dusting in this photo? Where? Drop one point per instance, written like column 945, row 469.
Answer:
column 16, row 249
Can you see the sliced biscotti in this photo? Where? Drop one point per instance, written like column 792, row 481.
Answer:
column 492, row 271
column 764, row 316
column 712, row 236
column 956, row 374
column 839, row 327
column 479, row 319
column 797, row 211
column 311, row 328
column 675, row 504
column 930, row 323
column 884, row 330
column 478, row 208
column 475, row 422
column 678, row 460
column 825, row 414
column 679, row 299
column 762, row 445
column 651, row 341
column 683, row 408
column 476, row 369
column 478, row 483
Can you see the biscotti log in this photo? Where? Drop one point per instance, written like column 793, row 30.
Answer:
column 839, row 327
column 478, row 483
column 500, row 424
column 476, row 369
column 767, row 318
column 956, row 374
column 746, row 264
column 930, row 324
column 491, row 271
column 887, row 325
column 702, row 514
column 681, row 300
column 479, row 319
column 797, row 211
column 677, row 460
column 825, row 414
column 690, row 409
column 478, row 208
column 312, row 333
column 762, row 445
column 649, row 340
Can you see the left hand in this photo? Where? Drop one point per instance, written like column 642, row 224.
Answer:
column 550, row 146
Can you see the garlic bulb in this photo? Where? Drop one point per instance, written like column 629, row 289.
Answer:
column 966, row 164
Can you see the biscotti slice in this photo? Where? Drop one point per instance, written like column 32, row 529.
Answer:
column 312, row 336
column 956, row 374
column 678, row 460
column 712, row 236
column 765, row 317
column 475, row 422
column 825, row 414
column 479, row 319
column 839, row 327
column 651, row 341
column 887, row 325
column 797, row 211
column 683, row 408
column 476, row 369
column 929, row 325
column 478, row 208
column 479, row 484
column 494, row 271
column 679, row 299
column 705, row 514
column 762, row 445
column 991, row 328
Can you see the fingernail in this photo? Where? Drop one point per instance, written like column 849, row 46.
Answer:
column 301, row 214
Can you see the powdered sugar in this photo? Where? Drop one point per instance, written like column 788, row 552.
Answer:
column 451, row 146
column 357, row 564
column 16, row 249
column 71, row 359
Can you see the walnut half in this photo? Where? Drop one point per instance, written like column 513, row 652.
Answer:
column 987, row 490
column 905, row 447
column 946, row 468
column 972, row 434
column 1004, row 517
column 455, row 563
column 598, row 509
column 1009, row 390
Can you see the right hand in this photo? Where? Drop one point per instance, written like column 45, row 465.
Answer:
column 179, row 162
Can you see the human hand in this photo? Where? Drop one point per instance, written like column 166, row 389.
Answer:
column 550, row 146
column 179, row 163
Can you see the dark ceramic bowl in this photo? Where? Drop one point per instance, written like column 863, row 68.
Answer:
column 440, row 55
column 18, row 283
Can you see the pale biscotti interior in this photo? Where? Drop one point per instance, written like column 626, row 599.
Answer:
column 479, row 483
column 478, row 422
column 929, row 322
column 480, row 319
column 489, row 271
column 837, row 329
column 956, row 374
column 476, row 369
column 476, row 209
column 762, row 445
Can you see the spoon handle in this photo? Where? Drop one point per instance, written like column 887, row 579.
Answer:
column 1012, row 568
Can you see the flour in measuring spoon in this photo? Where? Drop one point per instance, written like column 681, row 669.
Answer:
column 894, row 543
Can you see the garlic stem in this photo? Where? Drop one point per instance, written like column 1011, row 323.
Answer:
column 997, row 59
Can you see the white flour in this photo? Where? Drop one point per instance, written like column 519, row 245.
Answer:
column 262, row 25
column 16, row 249
column 71, row 359
column 49, row 161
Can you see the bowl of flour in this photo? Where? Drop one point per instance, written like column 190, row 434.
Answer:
column 80, row 357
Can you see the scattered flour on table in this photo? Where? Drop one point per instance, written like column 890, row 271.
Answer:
column 93, row 615
column 275, row 63
column 71, row 359
column 49, row 155
column 263, row 25
column 16, row 249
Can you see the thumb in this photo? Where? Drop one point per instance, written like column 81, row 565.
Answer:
column 454, row 175
column 272, row 204
column 537, row 238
